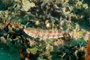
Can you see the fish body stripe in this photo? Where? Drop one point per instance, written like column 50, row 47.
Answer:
column 43, row 33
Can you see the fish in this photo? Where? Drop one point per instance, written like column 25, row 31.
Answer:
column 88, row 50
column 37, row 33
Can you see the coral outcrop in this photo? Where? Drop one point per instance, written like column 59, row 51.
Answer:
column 45, row 29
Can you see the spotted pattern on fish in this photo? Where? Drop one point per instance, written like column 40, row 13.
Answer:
column 43, row 33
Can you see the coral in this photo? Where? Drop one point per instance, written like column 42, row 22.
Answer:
column 8, row 2
column 49, row 48
column 32, row 43
column 2, row 13
column 87, row 50
column 37, row 23
column 45, row 28
column 48, row 25
column 4, row 24
column 24, row 57
column 3, row 40
column 67, row 51
column 27, row 5
column 33, row 51
column 15, row 25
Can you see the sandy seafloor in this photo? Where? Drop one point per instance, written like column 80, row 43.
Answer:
column 5, row 55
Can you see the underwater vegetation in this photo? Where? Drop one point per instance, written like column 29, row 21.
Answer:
column 45, row 29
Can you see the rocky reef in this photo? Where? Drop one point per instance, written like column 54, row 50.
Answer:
column 44, row 29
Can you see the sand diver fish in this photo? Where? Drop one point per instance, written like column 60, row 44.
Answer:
column 43, row 33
